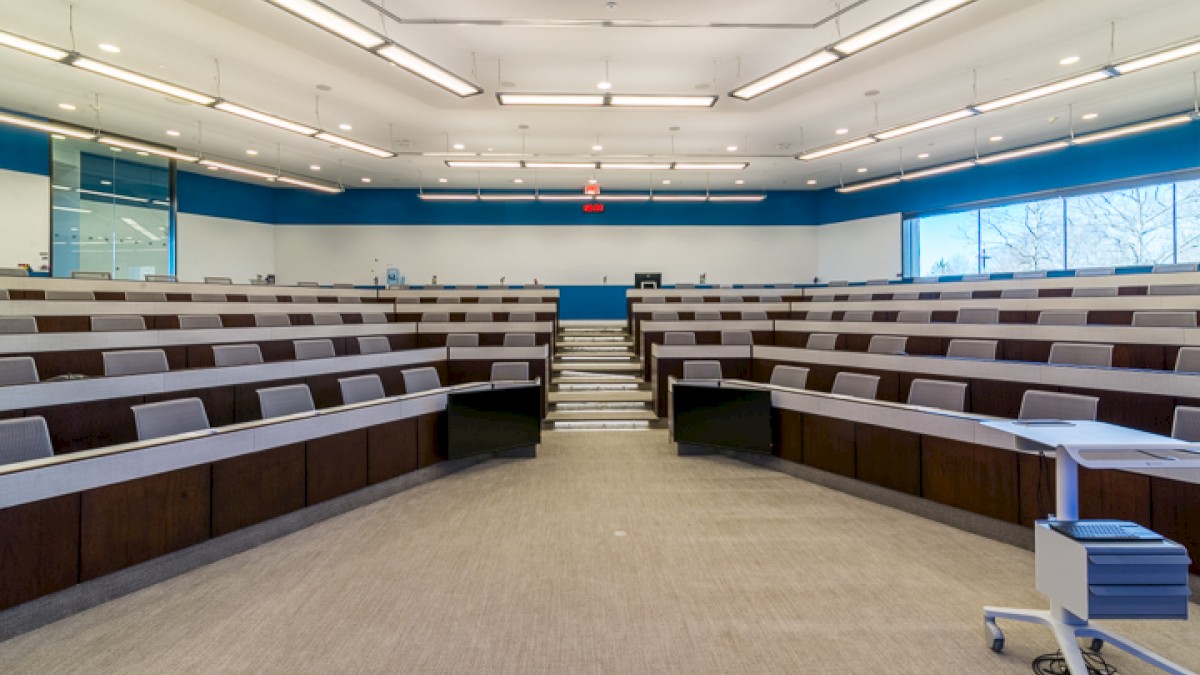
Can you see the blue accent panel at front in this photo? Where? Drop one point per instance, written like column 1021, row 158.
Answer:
column 221, row 198
column 1162, row 151
column 24, row 150
column 591, row 302
column 404, row 207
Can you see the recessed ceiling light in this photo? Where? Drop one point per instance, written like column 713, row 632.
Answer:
column 251, row 151
column 111, row 49
column 66, row 106
column 172, row 132
column 996, row 139
column 1091, row 116
column 842, row 132
column 597, row 148
column 666, row 181
column 604, row 86
column 518, row 180
column 459, row 146
column 923, row 155
column 366, row 180
column 115, row 149
column 592, row 181
column 862, row 169
column 810, row 181
column 443, row 180
column 739, row 182
column 314, row 167
column 731, row 148
column 1069, row 61
column 345, row 127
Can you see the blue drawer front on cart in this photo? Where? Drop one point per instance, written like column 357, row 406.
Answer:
column 1138, row 602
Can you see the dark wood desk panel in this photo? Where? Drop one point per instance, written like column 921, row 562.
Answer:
column 971, row 477
column 431, row 439
column 1175, row 514
column 134, row 521
column 996, row 397
column 829, row 444
column 791, row 436
column 40, row 551
column 890, row 458
column 245, row 398
column 219, row 403
column 91, row 424
column 1102, row 493
column 1139, row 411
column 335, row 465
column 391, row 450
column 426, row 340
column 256, row 487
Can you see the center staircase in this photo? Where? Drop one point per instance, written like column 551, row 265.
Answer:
column 596, row 379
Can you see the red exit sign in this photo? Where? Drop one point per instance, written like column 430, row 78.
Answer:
column 593, row 208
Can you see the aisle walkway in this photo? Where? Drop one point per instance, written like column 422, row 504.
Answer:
column 607, row 554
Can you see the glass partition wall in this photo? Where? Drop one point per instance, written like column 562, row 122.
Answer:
column 111, row 211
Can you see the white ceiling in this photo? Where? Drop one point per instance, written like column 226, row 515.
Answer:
column 273, row 61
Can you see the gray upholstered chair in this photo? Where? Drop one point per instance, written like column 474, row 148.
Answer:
column 878, row 282
column 526, row 317
column 1173, row 268
column 1095, row 271
column 906, row 295
column 1174, row 289
column 1081, row 354
column 1186, row 426
column 112, row 322
column 135, row 362
column 794, row 377
column 236, row 355
column 407, row 300
column 490, row 300
column 520, row 340
column 197, row 321
column 823, row 298
column 1165, row 319
column 286, row 400
column 859, row 317
column 737, row 337
column 18, row 370
column 955, row 295
column 436, row 317
column 913, row 316
column 838, row 282
column 482, row 317
column 972, row 349
column 654, row 300
column 167, row 418
column 770, row 298
column 327, row 319
column 679, row 338
column 313, row 349
column 754, row 316
column 448, row 300
column 305, row 300
column 938, row 394
column 818, row 315
column 887, row 344
column 374, row 344
column 664, row 316
column 732, row 298
column 855, row 384
column 1019, row 293
column 976, row 277
column 261, row 299
column 707, row 316
column 70, row 295
column 701, row 370
column 822, row 341
column 421, row 379
column 1094, row 292
column 462, row 340
column 23, row 439
column 209, row 297
column 529, row 300
column 11, row 325
column 1033, row 274
column 374, row 318
column 308, row 284
column 860, row 297
column 349, row 300
column 272, row 320
column 978, row 315
column 1063, row 317
column 1188, row 360
column 145, row 296
column 13, row 272
column 510, row 370
column 361, row 388
column 1051, row 405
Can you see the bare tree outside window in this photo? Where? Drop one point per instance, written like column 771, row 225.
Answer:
column 949, row 244
column 1021, row 237
column 1187, row 210
column 1122, row 227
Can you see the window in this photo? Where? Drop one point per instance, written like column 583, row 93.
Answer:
column 1145, row 225
column 111, row 211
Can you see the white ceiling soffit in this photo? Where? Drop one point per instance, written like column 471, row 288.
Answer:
column 274, row 63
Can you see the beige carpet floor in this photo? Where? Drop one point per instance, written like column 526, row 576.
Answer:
column 607, row 554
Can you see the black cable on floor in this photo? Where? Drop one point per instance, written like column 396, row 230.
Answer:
column 1055, row 664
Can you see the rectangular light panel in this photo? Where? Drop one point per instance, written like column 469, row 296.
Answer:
column 245, row 171
column 241, row 111
column 323, row 17
column 551, row 99
column 428, row 70
column 1045, row 90
column 448, row 196
column 30, row 47
column 891, row 27
column 150, row 148
column 867, row 185
column 834, row 149
column 635, row 166
column 711, row 166
column 1165, row 56
column 319, row 187
column 1132, row 129
column 925, row 124
column 469, row 164
column 355, row 145
column 51, row 127
column 623, row 101
column 786, row 74
column 1022, row 152
column 560, row 165
column 938, row 170
column 143, row 81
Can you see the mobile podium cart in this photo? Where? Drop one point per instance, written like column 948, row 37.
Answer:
column 1099, row 569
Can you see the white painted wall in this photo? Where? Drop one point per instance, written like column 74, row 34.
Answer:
column 857, row 250
column 568, row 255
column 24, row 218
column 223, row 247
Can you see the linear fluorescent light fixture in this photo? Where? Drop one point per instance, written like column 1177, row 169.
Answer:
column 925, row 124
column 32, row 47
column 1022, row 152
column 654, row 101
column 678, row 198
column 840, row 147
column 507, row 197
column 563, row 197
column 113, row 195
column 138, row 226
column 635, row 166
column 1157, row 58
column 355, row 145
column 560, row 165
column 867, row 185
column 789, row 73
column 245, row 171
column 448, row 196
column 623, row 197
column 593, row 100
column 141, row 146
column 711, row 166
column 428, row 70
column 278, row 122
column 897, row 24
column 311, row 185
column 471, row 164
column 142, row 81
column 736, row 198
column 51, row 127
column 70, row 209
column 938, row 170
column 1044, row 90
column 322, row 17
column 1132, row 129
